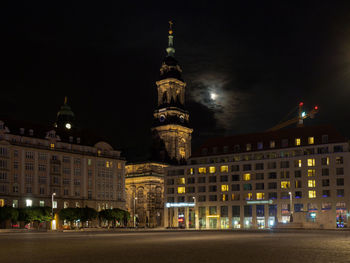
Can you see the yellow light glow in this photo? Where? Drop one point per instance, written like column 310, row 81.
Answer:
column 297, row 141
column 202, row 170
column 52, row 145
column 310, row 172
column 224, row 168
column 310, row 162
column 191, row 171
column 181, row 180
column 285, row 184
column 181, row 190
column 246, row 177
column 249, row 196
column 299, row 163
column 311, row 183
column 311, row 140
column 260, row 196
column 312, row 194
column 212, row 169
column 224, row 188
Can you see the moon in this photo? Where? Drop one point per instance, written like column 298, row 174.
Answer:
column 213, row 95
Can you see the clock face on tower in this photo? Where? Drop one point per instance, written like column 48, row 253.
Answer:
column 68, row 126
column 162, row 118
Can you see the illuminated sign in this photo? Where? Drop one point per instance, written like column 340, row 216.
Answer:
column 259, row 202
column 179, row 205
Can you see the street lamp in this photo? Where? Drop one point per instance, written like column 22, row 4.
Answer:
column 135, row 198
column 53, row 220
column 291, row 206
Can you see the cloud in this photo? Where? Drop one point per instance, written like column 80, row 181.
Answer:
column 226, row 105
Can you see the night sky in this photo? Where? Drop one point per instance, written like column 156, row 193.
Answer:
column 261, row 58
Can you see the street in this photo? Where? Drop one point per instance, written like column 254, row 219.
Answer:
column 177, row 246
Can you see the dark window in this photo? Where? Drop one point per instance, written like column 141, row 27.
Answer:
column 340, row 192
column 247, row 187
column 201, row 189
column 235, row 187
column 325, row 161
column 212, row 179
column 271, row 165
column 260, row 210
column 235, row 177
column 259, row 176
column 338, row 148
column 224, row 211
column 202, row 198
column 340, row 181
column 259, row 186
column 224, row 178
column 325, row 182
column 298, row 194
column 248, row 210
column 170, row 199
column 298, row 207
column 339, row 171
column 236, row 211
column 284, row 195
column 247, row 167
column 181, row 199
column 170, row 181
column 213, row 198
column 272, row 210
column 326, row 193
column 191, row 189
column 325, row 171
column 325, row 138
column 234, row 168
column 191, row 180
column 284, row 164
column 272, row 185
column 201, row 180
column 212, row 188
column 170, row 191
column 297, row 173
column 284, row 174
column 272, row 175
column 272, row 195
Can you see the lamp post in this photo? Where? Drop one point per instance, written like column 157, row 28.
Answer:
column 135, row 198
column 53, row 218
column 291, row 207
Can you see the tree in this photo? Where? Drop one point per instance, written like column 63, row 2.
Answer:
column 8, row 213
column 87, row 214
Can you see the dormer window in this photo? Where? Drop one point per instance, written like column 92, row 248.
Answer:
column 78, row 140
column 260, row 145
column 248, row 147
column 215, row 149
column 21, row 131
column 31, row 132
column 225, row 149
column 70, row 139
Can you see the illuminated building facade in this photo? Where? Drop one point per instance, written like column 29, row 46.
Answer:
column 37, row 161
column 171, row 131
column 144, row 184
column 259, row 180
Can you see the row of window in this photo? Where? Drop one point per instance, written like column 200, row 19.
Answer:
column 261, row 166
column 248, row 187
column 249, row 177
column 311, row 194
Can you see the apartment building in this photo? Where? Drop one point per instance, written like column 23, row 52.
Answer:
column 37, row 165
column 261, row 180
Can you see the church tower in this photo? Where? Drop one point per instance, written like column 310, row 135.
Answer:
column 171, row 131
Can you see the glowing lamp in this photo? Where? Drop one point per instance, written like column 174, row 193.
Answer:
column 303, row 114
column 301, row 104
column 316, row 107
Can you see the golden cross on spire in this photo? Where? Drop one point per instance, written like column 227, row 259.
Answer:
column 171, row 27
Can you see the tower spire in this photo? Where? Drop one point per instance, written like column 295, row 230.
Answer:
column 170, row 49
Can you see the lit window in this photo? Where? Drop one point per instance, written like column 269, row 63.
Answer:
column 52, row 145
column 249, row 147
column 311, row 140
column 181, row 180
column 310, row 172
column 299, row 163
column 311, row 183
column 99, row 152
column 246, row 177
column 202, row 170
column 181, row 190
column 312, row 194
column 310, row 162
column 224, row 188
column 89, row 161
column 212, row 169
column 42, row 203
column 249, row 196
column 14, row 203
column 285, row 184
column 272, row 144
column 191, row 171
column 2, row 202
column 29, row 202
column 260, row 196
column 54, row 204
column 224, row 169
column 297, row 142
